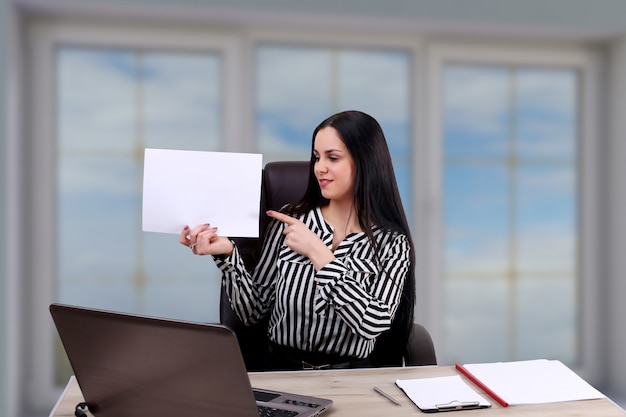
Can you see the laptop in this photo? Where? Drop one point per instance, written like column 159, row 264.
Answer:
column 130, row 365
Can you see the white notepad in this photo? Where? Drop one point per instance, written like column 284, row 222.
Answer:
column 442, row 394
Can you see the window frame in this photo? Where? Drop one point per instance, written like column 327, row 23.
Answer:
column 529, row 54
column 43, row 37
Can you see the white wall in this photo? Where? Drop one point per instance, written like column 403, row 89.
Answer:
column 615, row 277
column 547, row 16
column 7, row 393
column 3, row 213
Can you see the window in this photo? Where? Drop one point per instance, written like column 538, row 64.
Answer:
column 514, row 227
column 510, row 212
column 299, row 86
column 109, row 99
column 112, row 104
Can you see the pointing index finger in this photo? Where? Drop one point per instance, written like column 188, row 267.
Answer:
column 288, row 220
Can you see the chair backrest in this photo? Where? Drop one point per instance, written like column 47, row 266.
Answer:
column 420, row 350
column 283, row 183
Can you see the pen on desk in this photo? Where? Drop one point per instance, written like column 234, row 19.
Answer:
column 387, row 396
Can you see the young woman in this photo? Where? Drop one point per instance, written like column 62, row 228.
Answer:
column 337, row 267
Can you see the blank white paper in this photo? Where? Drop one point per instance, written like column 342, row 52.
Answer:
column 535, row 381
column 191, row 188
column 446, row 391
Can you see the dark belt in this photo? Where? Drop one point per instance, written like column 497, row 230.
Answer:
column 291, row 358
column 310, row 367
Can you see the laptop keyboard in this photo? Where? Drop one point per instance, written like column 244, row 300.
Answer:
column 265, row 411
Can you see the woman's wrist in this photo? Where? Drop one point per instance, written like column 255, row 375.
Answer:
column 321, row 258
column 232, row 249
column 227, row 253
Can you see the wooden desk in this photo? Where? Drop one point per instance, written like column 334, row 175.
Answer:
column 352, row 392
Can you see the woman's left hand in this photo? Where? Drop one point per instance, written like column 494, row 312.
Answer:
column 203, row 240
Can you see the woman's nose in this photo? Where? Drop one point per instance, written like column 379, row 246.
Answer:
column 320, row 166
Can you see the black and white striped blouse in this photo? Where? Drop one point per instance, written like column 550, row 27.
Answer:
column 339, row 309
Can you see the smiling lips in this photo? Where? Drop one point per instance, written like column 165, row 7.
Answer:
column 324, row 182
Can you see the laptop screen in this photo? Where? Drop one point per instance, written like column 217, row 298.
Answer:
column 130, row 365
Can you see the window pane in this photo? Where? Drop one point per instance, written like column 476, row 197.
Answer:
column 96, row 194
column 546, row 218
column 476, row 111
column 378, row 83
column 476, row 234
column 298, row 87
column 546, row 317
column 383, row 75
column 510, row 213
column 96, row 100
column 477, row 320
column 112, row 103
column 181, row 100
column 293, row 96
column 546, row 114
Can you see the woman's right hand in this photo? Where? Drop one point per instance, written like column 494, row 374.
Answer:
column 204, row 240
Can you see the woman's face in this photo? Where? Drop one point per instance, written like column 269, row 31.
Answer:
column 334, row 166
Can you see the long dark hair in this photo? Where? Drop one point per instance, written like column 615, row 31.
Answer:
column 377, row 202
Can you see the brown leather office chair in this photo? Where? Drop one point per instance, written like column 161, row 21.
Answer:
column 282, row 183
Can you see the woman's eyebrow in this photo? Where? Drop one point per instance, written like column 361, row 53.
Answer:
column 327, row 151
